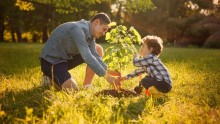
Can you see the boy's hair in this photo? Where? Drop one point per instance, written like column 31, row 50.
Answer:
column 103, row 18
column 155, row 42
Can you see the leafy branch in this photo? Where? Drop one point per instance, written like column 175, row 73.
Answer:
column 122, row 49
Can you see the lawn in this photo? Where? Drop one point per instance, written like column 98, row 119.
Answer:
column 195, row 97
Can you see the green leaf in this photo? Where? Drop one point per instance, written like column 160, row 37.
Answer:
column 131, row 29
column 113, row 30
column 124, row 28
column 112, row 24
column 122, row 49
column 127, row 39
column 107, row 36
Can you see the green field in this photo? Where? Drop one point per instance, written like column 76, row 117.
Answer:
column 195, row 97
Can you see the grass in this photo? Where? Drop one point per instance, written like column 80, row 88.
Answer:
column 195, row 97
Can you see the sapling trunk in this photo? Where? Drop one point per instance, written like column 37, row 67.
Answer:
column 122, row 49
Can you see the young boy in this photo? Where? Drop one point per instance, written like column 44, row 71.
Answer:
column 158, row 75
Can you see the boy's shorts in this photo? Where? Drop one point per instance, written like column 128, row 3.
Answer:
column 161, row 86
column 60, row 70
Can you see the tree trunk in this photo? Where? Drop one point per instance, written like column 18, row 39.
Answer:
column 34, row 38
column 13, row 35
column 45, row 19
column 18, row 33
column 118, row 15
column 2, row 28
column 45, row 36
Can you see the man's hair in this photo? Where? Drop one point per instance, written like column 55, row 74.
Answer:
column 154, row 42
column 103, row 18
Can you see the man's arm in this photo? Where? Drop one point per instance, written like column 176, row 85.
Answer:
column 79, row 39
column 96, row 55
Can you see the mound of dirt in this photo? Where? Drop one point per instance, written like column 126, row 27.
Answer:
column 118, row 93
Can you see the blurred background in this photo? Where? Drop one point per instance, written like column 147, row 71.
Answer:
column 181, row 23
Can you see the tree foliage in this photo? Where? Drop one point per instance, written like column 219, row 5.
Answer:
column 122, row 48
column 42, row 16
column 170, row 19
column 61, row 6
column 173, row 20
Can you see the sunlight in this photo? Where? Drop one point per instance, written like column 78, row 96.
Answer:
column 194, row 6
column 216, row 2
column 114, row 8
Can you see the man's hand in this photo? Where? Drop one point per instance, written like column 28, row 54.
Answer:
column 114, row 81
column 117, row 84
column 110, row 79
column 113, row 73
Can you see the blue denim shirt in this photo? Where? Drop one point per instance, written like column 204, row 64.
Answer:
column 72, row 38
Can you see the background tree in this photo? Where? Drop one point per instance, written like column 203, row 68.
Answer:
column 179, row 22
column 173, row 20
column 11, row 20
column 2, row 18
column 50, row 11
column 81, row 9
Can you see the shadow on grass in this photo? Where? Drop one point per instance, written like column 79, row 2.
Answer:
column 136, row 108
column 13, row 103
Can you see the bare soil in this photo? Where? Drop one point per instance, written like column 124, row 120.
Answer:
column 118, row 93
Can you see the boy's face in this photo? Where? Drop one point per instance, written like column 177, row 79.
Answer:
column 145, row 50
column 99, row 30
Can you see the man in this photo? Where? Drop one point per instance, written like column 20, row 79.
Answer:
column 72, row 44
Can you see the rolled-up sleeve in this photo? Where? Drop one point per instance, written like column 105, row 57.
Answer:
column 78, row 36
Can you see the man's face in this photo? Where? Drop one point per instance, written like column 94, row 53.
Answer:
column 98, row 29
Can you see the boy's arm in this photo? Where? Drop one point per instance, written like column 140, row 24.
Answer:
column 136, row 73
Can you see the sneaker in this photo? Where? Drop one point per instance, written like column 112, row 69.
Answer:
column 88, row 86
column 45, row 81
